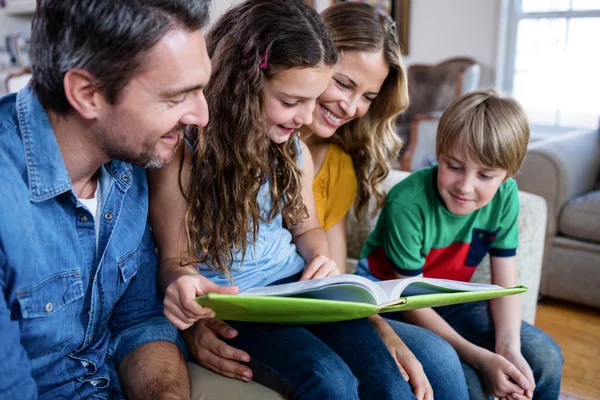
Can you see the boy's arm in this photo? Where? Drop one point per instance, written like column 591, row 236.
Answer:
column 506, row 313
column 309, row 236
column 499, row 374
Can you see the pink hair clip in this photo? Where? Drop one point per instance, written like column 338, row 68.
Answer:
column 265, row 61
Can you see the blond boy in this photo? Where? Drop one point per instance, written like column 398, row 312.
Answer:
column 441, row 221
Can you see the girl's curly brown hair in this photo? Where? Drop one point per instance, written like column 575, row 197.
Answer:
column 370, row 140
column 233, row 155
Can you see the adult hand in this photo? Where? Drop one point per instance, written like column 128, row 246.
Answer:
column 514, row 355
column 320, row 267
column 501, row 377
column 203, row 341
column 180, row 306
column 410, row 368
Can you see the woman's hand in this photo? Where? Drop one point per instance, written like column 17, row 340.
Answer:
column 320, row 267
column 410, row 368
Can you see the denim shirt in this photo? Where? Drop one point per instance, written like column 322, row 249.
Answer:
column 68, row 316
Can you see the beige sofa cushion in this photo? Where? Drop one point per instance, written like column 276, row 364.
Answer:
column 357, row 233
column 581, row 217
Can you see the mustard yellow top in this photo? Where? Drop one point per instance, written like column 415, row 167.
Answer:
column 334, row 187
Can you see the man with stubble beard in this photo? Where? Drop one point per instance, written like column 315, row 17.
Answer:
column 114, row 84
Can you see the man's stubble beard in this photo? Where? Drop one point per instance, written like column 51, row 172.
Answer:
column 149, row 157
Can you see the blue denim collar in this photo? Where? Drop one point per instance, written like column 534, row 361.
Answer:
column 48, row 176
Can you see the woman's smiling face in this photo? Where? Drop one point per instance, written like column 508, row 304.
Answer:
column 356, row 81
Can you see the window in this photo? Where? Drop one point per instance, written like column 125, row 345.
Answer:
column 553, row 61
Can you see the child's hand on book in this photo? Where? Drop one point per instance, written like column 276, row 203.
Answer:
column 320, row 267
column 180, row 304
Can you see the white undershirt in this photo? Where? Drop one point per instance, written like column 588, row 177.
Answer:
column 94, row 206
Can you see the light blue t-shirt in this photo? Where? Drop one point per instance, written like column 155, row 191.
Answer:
column 272, row 257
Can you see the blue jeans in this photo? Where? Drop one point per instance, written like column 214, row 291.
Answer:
column 439, row 359
column 341, row 360
column 474, row 322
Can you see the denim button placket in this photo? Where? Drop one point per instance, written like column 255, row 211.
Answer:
column 49, row 306
column 84, row 218
column 108, row 216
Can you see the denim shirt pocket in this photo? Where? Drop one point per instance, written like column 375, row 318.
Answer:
column 48, row 312
column 129, row 264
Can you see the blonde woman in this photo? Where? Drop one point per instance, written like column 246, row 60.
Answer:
column 352, row 142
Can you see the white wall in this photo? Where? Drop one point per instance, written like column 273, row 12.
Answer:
column 13, row 24
column 442, row 29
column 439, row 29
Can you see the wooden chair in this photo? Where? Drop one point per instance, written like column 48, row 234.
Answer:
column 431, row 89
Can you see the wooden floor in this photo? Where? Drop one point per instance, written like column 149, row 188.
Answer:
column 577, row 331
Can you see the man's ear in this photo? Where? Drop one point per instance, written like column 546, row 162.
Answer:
column 83, row 93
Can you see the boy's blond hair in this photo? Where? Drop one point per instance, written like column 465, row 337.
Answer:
column 485, row 127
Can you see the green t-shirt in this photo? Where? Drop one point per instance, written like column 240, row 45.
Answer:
column 416, row 233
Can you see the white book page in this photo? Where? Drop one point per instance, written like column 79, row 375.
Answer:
column 397, row 288
column 344, row 287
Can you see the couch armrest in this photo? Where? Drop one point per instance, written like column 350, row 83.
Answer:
column 356, row 232
column 559, row 169
column 532, row 228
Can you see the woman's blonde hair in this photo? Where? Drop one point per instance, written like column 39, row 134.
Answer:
column 370, row 140
column 487, row 127
column 233, row 155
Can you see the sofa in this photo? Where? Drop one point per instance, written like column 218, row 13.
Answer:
column 564, row 170
column 532, row 226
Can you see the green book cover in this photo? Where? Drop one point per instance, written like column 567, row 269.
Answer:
column 345, row 297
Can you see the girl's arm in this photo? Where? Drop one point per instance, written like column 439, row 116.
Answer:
column 181, row 283
column 308, row 236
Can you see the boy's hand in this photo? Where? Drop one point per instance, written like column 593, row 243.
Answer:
column 320, row 267
column 501, row 377
column 516, row 358
column 203, row 341
column 180, row 305
column 410, row 368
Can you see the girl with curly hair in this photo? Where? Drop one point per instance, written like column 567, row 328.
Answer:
column 238, row 207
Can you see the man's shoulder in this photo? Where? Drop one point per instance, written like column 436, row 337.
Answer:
column 12, row 167
column 8, row 114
